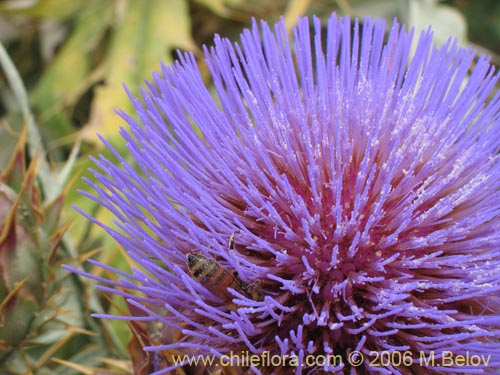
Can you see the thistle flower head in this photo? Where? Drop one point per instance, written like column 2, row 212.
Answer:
column 360, row 183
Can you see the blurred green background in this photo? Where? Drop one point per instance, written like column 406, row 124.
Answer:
column 63, row 66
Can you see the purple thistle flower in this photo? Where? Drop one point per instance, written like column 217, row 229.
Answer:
column 362, row 186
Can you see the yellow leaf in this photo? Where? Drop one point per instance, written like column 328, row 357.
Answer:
column 146, row 34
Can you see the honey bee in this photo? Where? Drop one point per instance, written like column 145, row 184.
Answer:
column 217, row 279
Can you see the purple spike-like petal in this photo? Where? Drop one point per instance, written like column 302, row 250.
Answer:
column 360, row 183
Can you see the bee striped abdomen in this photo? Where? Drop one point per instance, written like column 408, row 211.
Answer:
column 201, row 267
column 213, row 276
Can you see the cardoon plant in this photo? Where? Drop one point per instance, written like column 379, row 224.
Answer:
column 360, row 186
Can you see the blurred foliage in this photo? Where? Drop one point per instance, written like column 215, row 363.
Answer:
column 73, row 57
column 483, row 21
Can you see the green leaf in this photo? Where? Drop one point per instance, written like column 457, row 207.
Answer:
column 68, row 76
column 42, row 8
column 146, row 35
column 34, row 140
